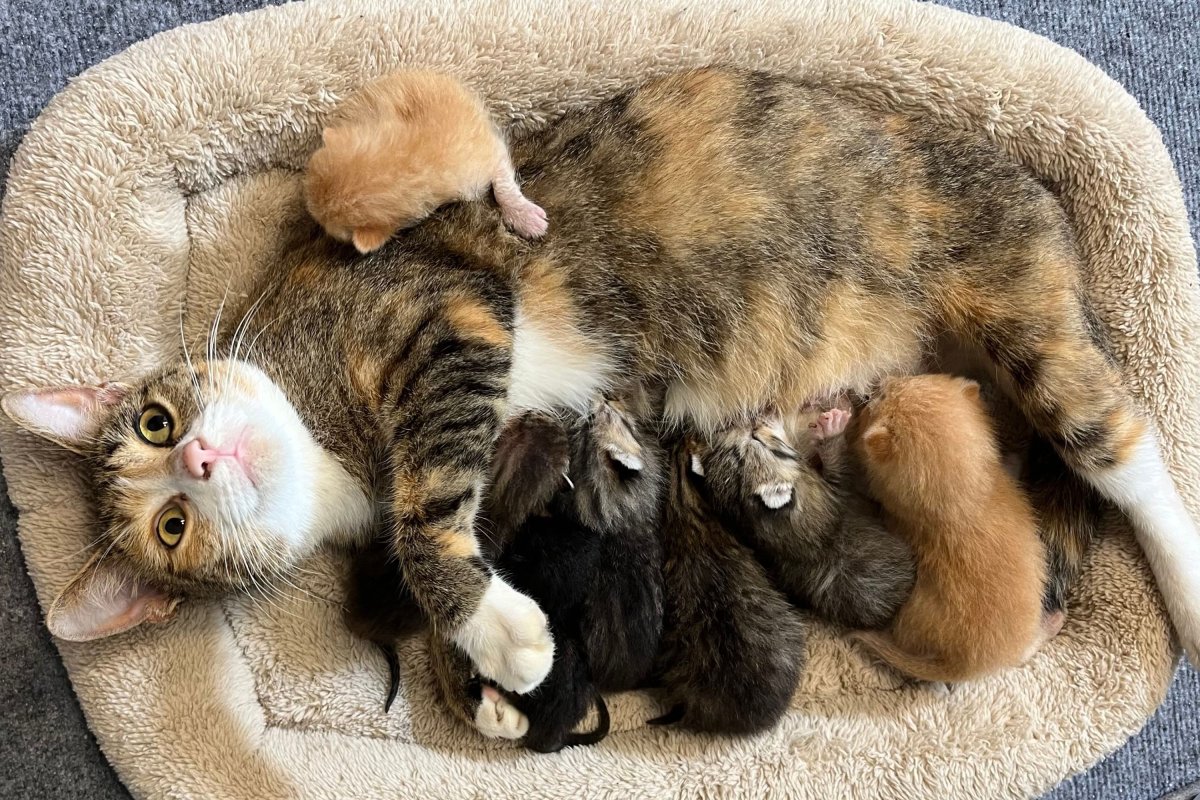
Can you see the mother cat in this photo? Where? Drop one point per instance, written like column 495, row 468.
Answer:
column 737, row 239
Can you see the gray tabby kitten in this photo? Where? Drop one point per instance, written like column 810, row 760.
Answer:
column 792, row 494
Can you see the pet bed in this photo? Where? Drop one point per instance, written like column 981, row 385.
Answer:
column 158, row 182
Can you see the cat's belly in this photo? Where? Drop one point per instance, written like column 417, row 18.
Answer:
column 861, row 338
column 770, row 361
column 553, row 367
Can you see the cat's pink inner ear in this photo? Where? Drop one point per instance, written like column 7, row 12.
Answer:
column 105, row 598
column 70, row 416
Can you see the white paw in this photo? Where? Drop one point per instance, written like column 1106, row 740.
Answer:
column 525, row 217
column 497, row 718
column 508, row 639
column 774, row 495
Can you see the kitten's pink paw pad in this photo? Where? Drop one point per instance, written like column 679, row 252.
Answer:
column 525, row 218
column 497, row 718
column 831, row 423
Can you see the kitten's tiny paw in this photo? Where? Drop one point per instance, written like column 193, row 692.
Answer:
column 525, row 218
column 497, row 718
column 831, row 423
column 508, row 638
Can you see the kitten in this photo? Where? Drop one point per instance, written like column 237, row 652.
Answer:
column 590, row 555
column 364, row 394
column 403, row 145
column 585, row 547
column 792, row 492
column 379, row 607
column 732, row 646
column 930, row 456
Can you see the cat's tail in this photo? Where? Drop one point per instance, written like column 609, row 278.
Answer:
column 601, row 729
column 1068, row 513
column 925, row 668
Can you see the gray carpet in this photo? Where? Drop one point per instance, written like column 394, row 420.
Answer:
column 45, row 747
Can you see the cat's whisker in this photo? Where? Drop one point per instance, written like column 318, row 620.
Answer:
column 213, row 330
column 243, row 326
column 195, row 379
column 70, row 557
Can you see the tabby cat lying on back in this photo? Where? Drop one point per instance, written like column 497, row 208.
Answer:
column 738, row 239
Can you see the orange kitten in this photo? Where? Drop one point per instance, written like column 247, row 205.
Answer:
column 404, row 145
column 931, row 459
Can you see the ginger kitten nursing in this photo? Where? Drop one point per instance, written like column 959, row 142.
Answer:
column 404, row 145
column 931, row 459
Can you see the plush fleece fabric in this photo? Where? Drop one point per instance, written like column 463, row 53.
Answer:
column 159, row 180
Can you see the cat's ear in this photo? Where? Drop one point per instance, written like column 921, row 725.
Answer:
column 332, row 137
column 970, row 389
column 774, row 495
column 369, row 238
column 877, row 441
column 106, row 598
column 697, row 450
column 70, row 416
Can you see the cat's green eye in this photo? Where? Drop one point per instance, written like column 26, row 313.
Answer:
column 172, row 522
column 155, row 425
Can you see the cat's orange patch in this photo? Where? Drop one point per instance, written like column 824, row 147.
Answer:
column 694, row 192
column 365, row 371
column 456, row 544
column 472, row 319
column 1127, row 430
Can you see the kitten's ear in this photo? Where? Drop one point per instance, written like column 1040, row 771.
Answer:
column 70, row 416
column 106, row 598
column 877, row 441
column 367, row 239
column 332, row 137
column 970, row 389
column 774, row 495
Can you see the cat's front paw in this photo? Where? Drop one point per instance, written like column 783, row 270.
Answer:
column 508, row 639
column 497, row 718
column 525, row 217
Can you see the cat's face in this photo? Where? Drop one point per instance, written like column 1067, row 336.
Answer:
column 204, row 481
column 751, row 465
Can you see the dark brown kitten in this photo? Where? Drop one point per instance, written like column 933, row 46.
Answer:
column 733, row 647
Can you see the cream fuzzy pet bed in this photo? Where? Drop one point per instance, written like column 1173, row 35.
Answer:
column 162, row 176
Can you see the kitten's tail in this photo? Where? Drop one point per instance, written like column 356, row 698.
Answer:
column 601, row 729
column 925, row 668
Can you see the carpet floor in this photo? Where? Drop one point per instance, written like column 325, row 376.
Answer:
column 46, row 749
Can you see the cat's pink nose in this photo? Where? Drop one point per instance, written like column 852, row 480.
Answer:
column 198, row 459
